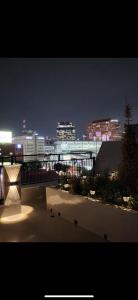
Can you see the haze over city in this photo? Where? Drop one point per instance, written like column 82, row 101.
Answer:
column 47, row 90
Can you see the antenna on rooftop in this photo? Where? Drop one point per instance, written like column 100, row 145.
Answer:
column 24, row 126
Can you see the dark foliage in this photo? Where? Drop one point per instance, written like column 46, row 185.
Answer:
column 128, row 172
column 60, row 167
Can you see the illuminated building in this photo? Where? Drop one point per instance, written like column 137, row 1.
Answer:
column 49, row 149
column 104, row 130
column 32, row 144
column 5, row 137
column 66, row 131
column 77, row 150
column 77, row 146
column 7, row 148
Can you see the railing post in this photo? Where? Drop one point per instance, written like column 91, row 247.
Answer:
column 11, row 159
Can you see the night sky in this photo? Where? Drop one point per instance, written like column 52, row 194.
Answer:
column 44, row 91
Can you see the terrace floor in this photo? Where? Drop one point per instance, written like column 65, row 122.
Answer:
column 41, row 227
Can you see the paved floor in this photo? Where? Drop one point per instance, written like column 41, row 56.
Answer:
column 41, row 227
column 94, row 220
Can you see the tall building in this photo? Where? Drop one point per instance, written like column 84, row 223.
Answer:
column 104, row 130
column 66, row 131
column 32, row 144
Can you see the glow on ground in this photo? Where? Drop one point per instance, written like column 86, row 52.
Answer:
column 25, row 212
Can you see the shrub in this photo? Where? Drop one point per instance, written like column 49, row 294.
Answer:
column 76, row 187
column 133, row 203
column 108, row 190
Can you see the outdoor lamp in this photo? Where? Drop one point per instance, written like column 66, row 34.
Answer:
column 92, row 192
column 126, row 199
column 12, row 190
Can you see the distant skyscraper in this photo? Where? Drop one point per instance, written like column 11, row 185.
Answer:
column 104, row 130
column 32, row 144
column 66, row 131
column 24, row 126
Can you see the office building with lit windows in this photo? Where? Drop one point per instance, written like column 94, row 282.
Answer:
column 104, row 130
column 66, row 131
column 32, row 144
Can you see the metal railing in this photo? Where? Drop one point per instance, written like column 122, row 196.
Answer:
column 40, row 168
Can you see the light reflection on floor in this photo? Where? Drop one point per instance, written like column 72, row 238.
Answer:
column 25, row 211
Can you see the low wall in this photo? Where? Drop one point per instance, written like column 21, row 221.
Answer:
column 34, row 196
column 118, row 224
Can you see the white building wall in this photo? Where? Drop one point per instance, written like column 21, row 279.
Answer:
column 70, row 146
column 40, row 145
column 31, row 145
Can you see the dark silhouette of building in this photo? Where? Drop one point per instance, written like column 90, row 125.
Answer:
column 109, row 157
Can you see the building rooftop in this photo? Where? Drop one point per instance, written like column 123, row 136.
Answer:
column 103, row 120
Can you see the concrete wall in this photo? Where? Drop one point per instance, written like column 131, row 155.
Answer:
column 34, row 196
column 109, row 156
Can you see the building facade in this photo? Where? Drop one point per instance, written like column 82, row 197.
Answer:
column 49, row 149
column 64, row 147
column 104, row 130
column 66, row 131
column 32, row 144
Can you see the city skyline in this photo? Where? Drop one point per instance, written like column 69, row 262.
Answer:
column 47, row 90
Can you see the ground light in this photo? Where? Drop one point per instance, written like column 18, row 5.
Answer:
column 23, row 215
